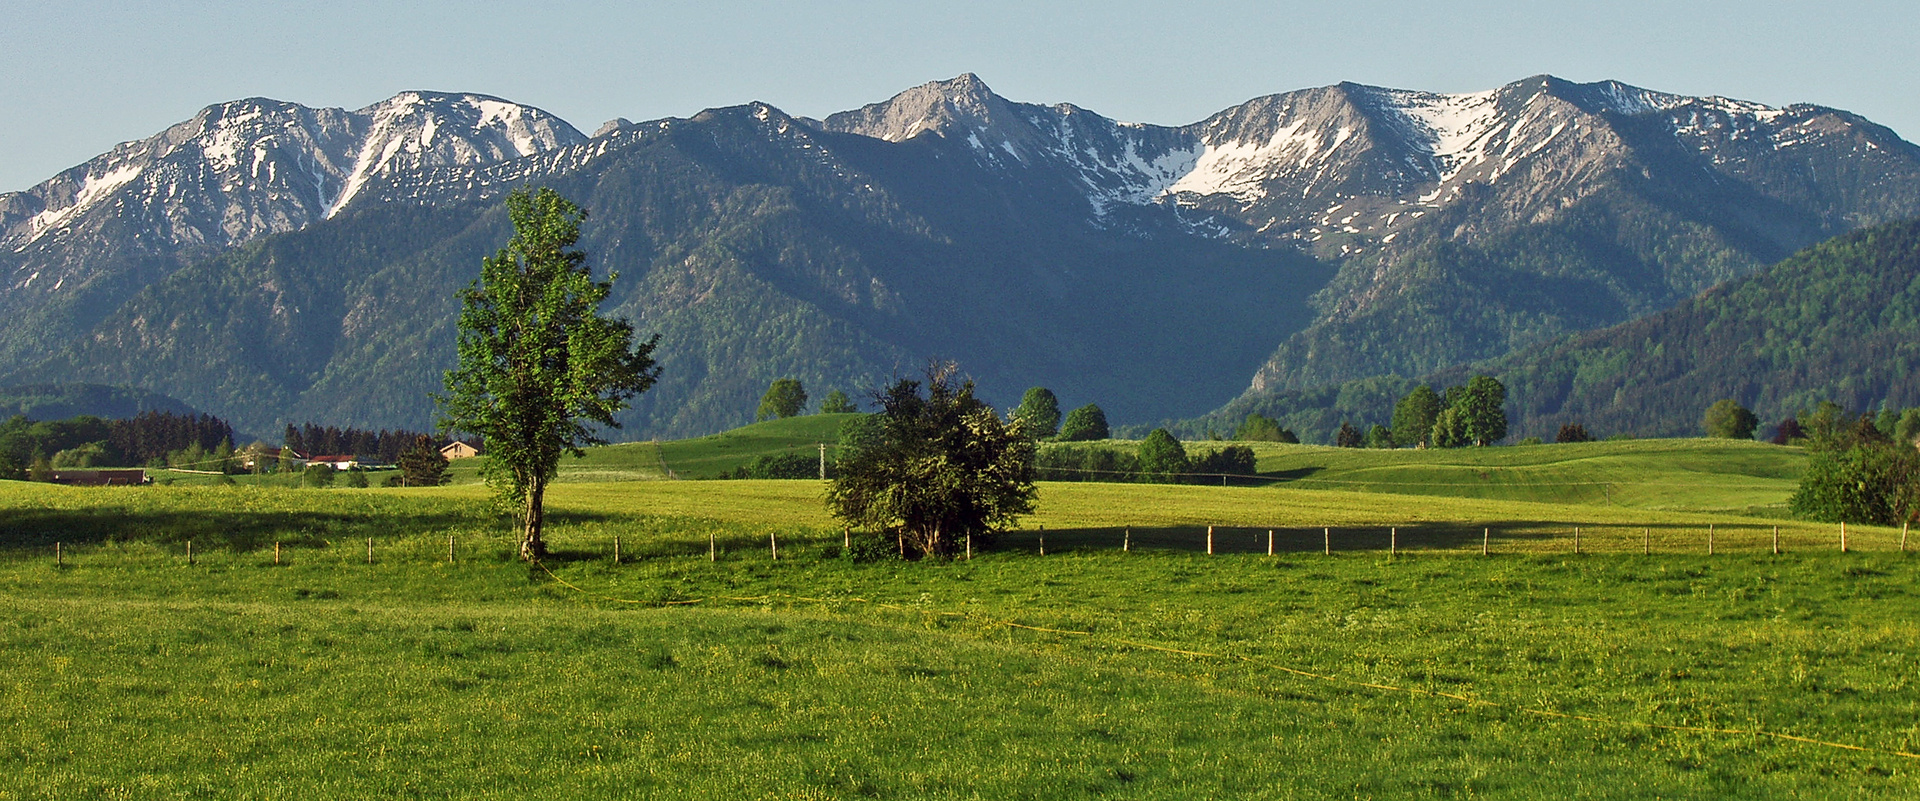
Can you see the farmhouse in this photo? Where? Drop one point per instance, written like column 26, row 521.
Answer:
column 337, row 461
column 459, row 450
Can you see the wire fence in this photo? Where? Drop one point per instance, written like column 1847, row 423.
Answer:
column 789, row 544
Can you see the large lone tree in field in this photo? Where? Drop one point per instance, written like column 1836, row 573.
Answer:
column 539, row 366
column 935, row 468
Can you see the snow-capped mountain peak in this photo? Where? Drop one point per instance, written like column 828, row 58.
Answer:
column 429, row 129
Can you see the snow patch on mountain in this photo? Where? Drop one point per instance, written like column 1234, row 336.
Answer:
column 95, row 188
column 1243, row 169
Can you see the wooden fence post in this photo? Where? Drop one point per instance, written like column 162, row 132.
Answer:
column 369, row 550
column 189, row 551
column 1126, row 539
column 1776, row 540
column 1576, row 540
column 773, row 545
column 1843, row 536
column 59, row 559
column 1709, row 539
column 1486, row 534
column 1209, row 540
column 1326, row 540
column 616, row 549
column 969, row 546
column 1393, row 542
column 1903, row 536
column 1269, row 542
column 276, row 552
column 846, row 537
column 713, row 553
column 1646, row 541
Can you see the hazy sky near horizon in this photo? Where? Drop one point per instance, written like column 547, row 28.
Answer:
column 84, row 75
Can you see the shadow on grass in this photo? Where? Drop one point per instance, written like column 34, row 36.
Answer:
column 1531, row 536
column 239, row 530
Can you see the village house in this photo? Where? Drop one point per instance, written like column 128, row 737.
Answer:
column 459, row 450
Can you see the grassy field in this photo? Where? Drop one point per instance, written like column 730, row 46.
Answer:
column 1160, row 674
column 1089, row 672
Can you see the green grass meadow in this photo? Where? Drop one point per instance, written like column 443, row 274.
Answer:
column 1425, row 671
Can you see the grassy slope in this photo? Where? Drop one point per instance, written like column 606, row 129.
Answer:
column 1678, row 474
column 707, row 457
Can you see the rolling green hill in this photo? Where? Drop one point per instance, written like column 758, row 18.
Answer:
column 1668, row 474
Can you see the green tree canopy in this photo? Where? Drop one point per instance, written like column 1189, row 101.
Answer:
column 1572, row 432
column 1907, row 429
column 422, row 464
column 1085, row 423
column 934, row 466
column 1041, row 410
column 1414, row 416
column 1349, row 436
column 1449, row 429
column 1379, row 437
column 1258, row 428
column 1162, row 457
column 538, row 365
column 319, row 476
column 785, row 398
column 837, row 402
column 1727, row 419
column 1860, row 476
column 1479, row 413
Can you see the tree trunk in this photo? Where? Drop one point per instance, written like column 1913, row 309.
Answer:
column 532, row 547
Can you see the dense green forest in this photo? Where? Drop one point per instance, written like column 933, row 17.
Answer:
column 61, row 401
column 1837, row 322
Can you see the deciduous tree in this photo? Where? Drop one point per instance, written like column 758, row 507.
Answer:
column 1481, row 410
column 785, row 398
column 1414, row 416
column 1727, row 419
column 1083, row 424
column 539, row 366
column 1258, row 428
column 1041, row 410
column 1162, row 457
column 935, row 465
column 1572, row 432
column 837, row 402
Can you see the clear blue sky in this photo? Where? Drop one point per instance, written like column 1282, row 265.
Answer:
column 83, row 75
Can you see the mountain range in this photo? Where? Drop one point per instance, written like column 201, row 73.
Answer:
column 272, row 263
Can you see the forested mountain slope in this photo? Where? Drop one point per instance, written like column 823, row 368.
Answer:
column 1838, row 322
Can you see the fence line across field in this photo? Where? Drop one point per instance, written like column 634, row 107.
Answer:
column 1437, row 539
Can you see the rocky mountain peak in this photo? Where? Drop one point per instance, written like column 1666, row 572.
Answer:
column 954, row 109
